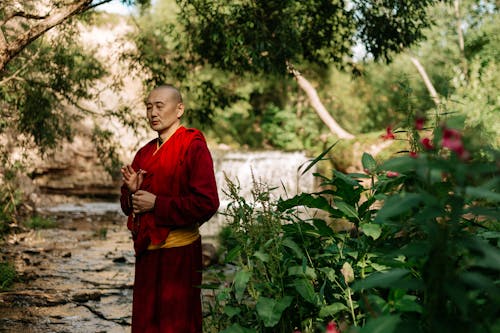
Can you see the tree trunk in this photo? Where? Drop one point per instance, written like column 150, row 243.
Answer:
column 461, row 44
column 427, row 81
column 319, row 107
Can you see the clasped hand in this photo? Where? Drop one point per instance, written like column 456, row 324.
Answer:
column 142, row 201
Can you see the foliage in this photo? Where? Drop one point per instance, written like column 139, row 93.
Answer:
column 10, row 194
column 40, row 82
column 265, row 36
column 412, row 245
column 7, row 275
column 40, row 222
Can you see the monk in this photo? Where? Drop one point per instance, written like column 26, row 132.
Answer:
column 168, row 191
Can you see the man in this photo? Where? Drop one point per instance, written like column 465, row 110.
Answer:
column 167, row 193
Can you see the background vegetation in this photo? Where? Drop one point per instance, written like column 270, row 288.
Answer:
column 239, row 64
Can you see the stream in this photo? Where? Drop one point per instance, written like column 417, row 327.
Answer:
column 76, row 277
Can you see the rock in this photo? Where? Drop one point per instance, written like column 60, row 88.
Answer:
column 209, row 254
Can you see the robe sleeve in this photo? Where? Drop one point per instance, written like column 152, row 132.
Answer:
column 200, row 201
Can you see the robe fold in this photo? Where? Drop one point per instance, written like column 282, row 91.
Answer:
column 180, row 173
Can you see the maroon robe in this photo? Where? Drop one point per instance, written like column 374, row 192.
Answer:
column 166, row 295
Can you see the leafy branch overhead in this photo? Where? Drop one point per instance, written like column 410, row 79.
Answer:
column 263, row 36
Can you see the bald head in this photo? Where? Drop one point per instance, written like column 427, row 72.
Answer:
column 172, row 92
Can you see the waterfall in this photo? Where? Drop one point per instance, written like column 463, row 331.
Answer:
column 277, row 169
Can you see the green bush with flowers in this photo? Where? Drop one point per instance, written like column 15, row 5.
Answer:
column 421, row 253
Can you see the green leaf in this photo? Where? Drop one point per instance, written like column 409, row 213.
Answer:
column 264, row 257
column 232, row 254
column 408, row 303
column 323, row 228
column 299, row 270
column 236, row 328
column 482, row 193
column 270, row 310
column 490, row 255
column 306, row 290
column 347, row 209
column 382, row 324
column 307, row 200
column 398, row 204
column 231, row 311
column 368, row 162
column 346, row 179
column 402, row 164
column 240, row 283
column 332, row 309
column 385, row 279
column 372, row 230
column 288, row 242
column 319, row 158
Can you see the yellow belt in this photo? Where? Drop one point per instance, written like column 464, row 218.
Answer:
column 177, row 238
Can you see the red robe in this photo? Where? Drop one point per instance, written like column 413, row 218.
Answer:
column 166, row 297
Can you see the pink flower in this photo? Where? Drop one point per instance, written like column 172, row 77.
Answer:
column 392, row 174
column 389, row 135
column 452, row 139
column 332, row 328
column 419, row 123
column 413, row 154
column 427, row 143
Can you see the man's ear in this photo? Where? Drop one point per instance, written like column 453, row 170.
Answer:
column 180, row 110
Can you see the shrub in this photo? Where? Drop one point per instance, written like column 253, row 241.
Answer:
column 422, row 254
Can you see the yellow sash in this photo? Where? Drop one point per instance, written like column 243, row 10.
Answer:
column 178, row 237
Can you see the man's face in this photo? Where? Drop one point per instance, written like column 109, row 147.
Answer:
column 163, row 109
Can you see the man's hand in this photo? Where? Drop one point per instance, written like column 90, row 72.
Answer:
column 143, row 201
column 132, row 179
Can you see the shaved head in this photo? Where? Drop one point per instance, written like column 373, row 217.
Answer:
column 173, row 91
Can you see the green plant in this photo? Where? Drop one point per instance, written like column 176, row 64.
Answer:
column 7, row 275
column 40, row 222
column 420, row 252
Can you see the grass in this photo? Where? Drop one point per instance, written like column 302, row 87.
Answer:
column 7, row 275
column 39, row 222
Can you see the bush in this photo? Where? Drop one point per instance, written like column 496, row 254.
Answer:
column 422, row 254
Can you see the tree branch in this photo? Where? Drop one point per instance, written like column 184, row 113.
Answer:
column 461, row 44
column 23, row 14
column 3, row 41
column 318, row 106
column 53, row 19
column 427, row 81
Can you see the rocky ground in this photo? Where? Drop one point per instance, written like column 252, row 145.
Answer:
column 75, row 278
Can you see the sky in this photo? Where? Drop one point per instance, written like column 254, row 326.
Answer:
column 115, row 6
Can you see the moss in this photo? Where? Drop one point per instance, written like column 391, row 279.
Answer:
column 7, row 275
column 39, row 222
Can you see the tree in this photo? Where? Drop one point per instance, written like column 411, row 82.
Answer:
column 21, row 23
column 270, row 37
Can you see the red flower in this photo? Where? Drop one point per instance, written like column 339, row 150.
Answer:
column 452, row 139
column 392, row 174
column 332, row 328
column 419, row 123
column 413, row 154
column 389, row 135
column 427, row 143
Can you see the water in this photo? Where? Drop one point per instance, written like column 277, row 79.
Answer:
column 78, row 276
